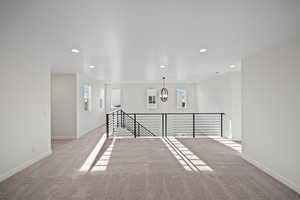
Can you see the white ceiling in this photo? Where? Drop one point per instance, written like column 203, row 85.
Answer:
column 129, row 39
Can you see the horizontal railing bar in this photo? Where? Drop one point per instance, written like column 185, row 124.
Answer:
column 176, row 113
column 181, row 123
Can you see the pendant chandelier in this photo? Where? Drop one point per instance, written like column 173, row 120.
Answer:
column 164, row 92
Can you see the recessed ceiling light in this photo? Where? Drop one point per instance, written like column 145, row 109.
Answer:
column 75, row 50
column 92, row 66
column 163, row 66
column 203, row 50
column 232, row 66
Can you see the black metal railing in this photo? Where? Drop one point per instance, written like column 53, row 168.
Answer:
column 119, row 123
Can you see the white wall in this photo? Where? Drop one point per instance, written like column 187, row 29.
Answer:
column 24, row 112
column 270, row 105
column 134, row 96
column 235, row 125
column 63, row 106
column 70, row 120
column 87, row 121
column 219, row 94
column 222, row 94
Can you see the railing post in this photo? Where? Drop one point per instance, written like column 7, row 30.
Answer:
column 123, row 116
column 166, row 124
column 113, row 122
column 222, row 124
column 121, row 119
column 162, row 125
column 134, row 125
column 117, row 119
column 193, row 125
column 116, row 114
column 139, row 134
column 107, row 125
column 124, row 119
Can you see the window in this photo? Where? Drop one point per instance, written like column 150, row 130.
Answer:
column 181, row 98
column 115, row 98
column 101, row 100
column 87, row 97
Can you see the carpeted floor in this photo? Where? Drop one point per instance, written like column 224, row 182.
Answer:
column 137, row 169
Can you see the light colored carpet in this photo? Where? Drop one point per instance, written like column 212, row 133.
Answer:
column 137, row 169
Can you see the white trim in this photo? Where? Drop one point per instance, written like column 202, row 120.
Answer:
column 63, row 137
column 272, row 173
column 24, row 165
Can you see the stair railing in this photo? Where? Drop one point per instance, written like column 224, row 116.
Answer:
column 165, row 124
column 119, row 119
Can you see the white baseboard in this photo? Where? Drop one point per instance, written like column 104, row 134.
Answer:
column 23, row 166
column 63, row 137
column 272, row 173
